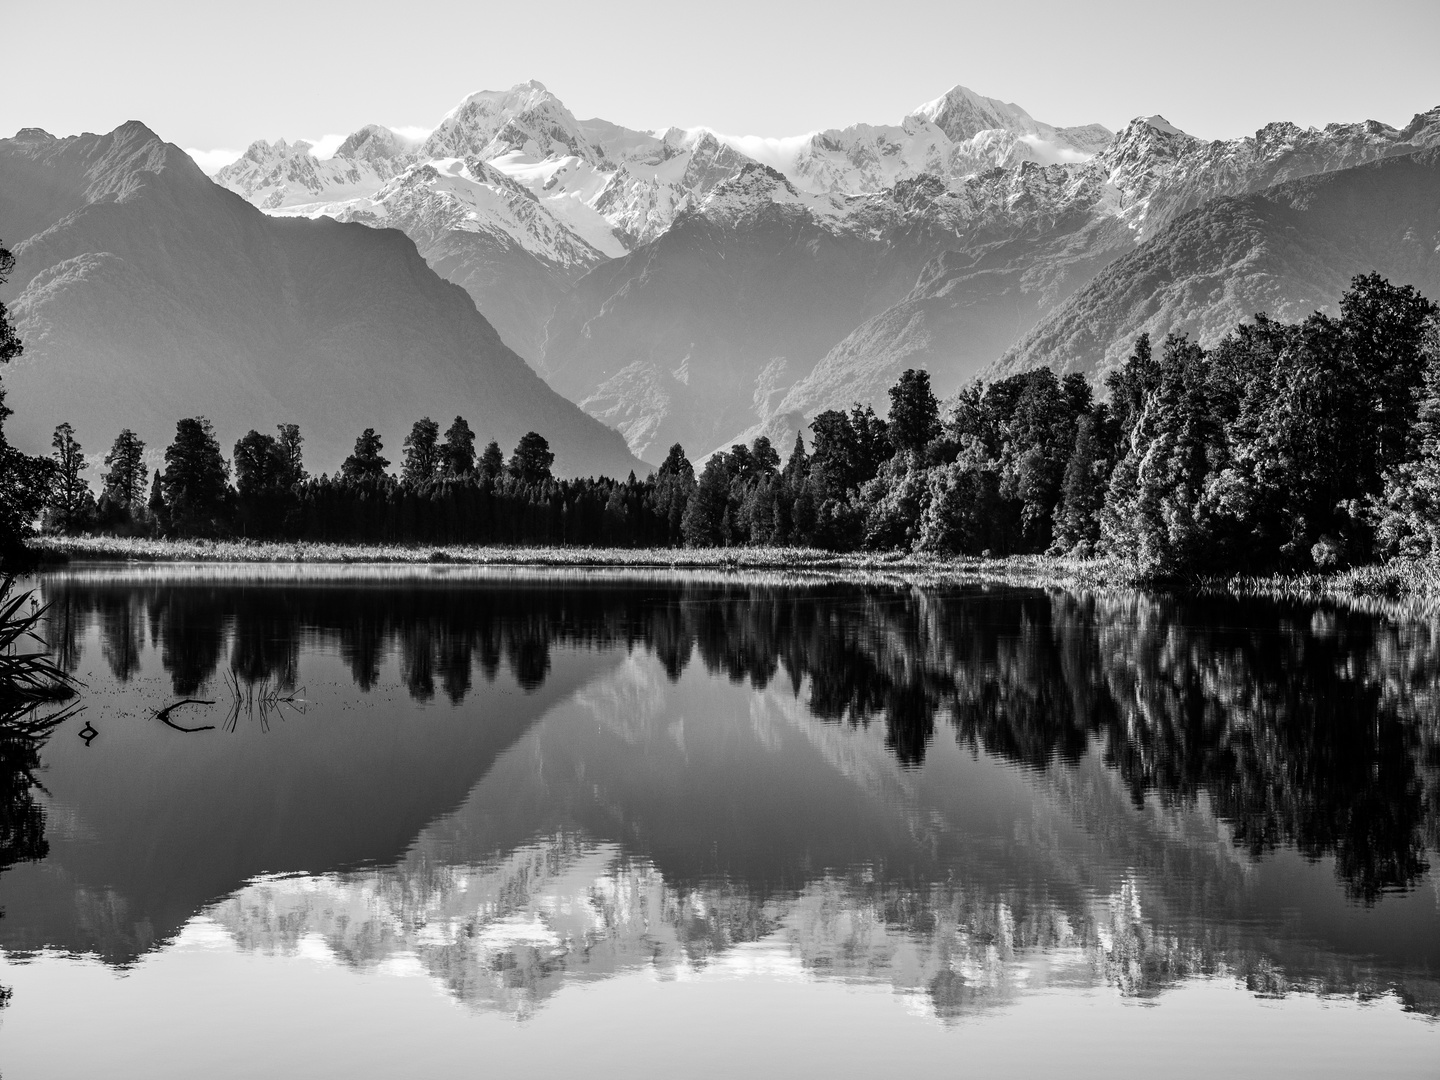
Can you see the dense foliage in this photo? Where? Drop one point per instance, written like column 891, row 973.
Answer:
column 1282, row 447
column 24, row 480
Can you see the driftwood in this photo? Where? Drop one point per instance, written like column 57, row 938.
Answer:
column 164, row 715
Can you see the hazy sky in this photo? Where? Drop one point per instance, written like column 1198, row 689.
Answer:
column 210, row 77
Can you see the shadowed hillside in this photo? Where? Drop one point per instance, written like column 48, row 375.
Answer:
column 1286, row 251
column 145, row 293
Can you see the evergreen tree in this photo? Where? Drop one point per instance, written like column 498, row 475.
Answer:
column 263, row 470
column 795, row 509
column 893, row 503
column 674, row 482
column 458, row 450
column 159, row 512
column 195, row 479
column 530, row 464
column 492, row 462
column 706, row 521
column 125, row 472
column 1077, row 518
column 291, row 444
column 365, row 465
column 765, row 457
column 832, row 469
column 260, row 466
column 1385, row 328
column 1155, row 520
column 1406, row 515
column 422, row 453
column 914, row 412
column 872, row 443
column 615, row 529
column 71, row 503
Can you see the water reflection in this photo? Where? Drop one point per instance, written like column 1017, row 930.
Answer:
column 968, row 793
column 1309, row 728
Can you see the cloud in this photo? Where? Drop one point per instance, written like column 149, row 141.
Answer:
column 212, row 161
column 777, row 153
column 1050, row 152
column 325, row 146
column 413, row 134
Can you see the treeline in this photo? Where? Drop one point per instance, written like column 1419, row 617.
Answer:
column 1283, row 447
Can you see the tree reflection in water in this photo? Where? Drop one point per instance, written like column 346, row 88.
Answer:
column 24, row 730
column 1303, row 726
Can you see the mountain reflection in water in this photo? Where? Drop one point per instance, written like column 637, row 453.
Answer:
column 969, row 793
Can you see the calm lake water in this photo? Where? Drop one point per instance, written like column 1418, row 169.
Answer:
column 600, row 824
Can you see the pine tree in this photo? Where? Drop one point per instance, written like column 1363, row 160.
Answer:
column 422, row 453
column 674, row 482
column 914, row 412
column 530, row 464
column 1077, row 518
column 195, row 479
column 125, row 472
column 705, row 522
column 72, row 505
column 365, row 465
column 492, row 462
column 291, row 443
column 457, row 453
column 1406, row 516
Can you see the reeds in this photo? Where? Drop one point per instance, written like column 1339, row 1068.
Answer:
column 29, row 679
column 26, row 677
column 1414, row 581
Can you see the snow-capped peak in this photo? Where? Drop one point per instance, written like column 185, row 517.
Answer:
column 1159, row 123
column 751, row 190
column 374, row 142
column 518, row 98
column 526, row 119
column 962, row 114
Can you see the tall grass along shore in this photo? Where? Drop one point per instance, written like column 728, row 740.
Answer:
column 1416, row 580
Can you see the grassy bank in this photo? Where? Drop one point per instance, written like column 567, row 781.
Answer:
column 1400, row 579
column 1031, row 569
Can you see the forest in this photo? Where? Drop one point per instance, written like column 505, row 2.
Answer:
column 1284, row 447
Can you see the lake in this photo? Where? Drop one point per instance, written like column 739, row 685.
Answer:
column 445, row 820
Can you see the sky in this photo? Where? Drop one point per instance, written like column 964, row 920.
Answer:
column 214, row 78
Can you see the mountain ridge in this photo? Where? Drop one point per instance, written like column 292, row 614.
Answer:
column 1287, row 250
column 145, row 293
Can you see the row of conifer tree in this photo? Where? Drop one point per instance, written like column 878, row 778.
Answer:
column 1283, row 446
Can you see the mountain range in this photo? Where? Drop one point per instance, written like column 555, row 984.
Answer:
column 684, row 285
column 145, row 293
column 687, row 286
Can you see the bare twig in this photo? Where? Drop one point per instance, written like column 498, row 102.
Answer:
column 164, row 715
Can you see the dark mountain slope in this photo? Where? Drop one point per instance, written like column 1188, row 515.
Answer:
column 146, row 293
column 1286, row 251
column 687, row 338
column 966, row 307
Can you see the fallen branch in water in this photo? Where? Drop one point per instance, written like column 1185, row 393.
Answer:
column 164, row 715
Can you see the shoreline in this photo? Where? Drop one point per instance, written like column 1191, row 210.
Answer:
column 1413, row 581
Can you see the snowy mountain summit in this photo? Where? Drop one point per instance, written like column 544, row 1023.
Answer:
column 513, row 197
column 615, row 188
column 693, row 286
